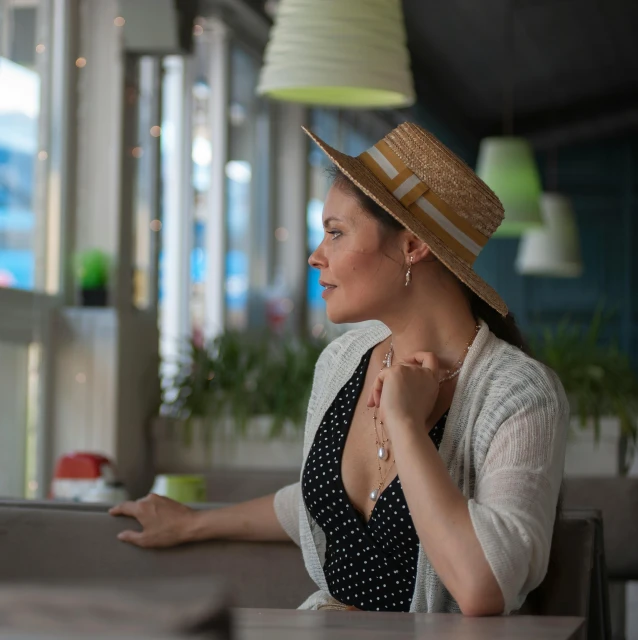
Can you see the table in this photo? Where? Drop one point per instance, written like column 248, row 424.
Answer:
column 285, row 624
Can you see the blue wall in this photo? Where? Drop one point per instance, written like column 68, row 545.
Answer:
column 602, row 180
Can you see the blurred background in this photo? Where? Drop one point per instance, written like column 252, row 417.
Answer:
column 159, row 201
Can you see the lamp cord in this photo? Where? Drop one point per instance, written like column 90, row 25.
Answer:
column 508, row 66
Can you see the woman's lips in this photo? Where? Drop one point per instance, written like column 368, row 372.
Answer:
column 328, row 288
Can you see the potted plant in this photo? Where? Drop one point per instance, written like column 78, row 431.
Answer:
column 92, row 277
column 241, row 397
column 598, row 378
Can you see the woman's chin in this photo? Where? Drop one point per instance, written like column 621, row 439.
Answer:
column 344, row 316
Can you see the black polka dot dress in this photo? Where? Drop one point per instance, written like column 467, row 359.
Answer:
column 372, row 565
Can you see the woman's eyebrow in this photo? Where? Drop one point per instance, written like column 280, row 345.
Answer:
column 327, row 221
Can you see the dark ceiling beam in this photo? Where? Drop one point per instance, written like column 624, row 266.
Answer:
column 602, row 117
column 605, row 126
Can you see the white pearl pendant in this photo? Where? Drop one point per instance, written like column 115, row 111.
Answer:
column 382, row 453
column 374, row 494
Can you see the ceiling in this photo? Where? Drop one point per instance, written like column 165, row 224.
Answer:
column 573, row 64
column 570, row 66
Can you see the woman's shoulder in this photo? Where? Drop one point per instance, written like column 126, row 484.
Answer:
column 513, row 375
column 355, row 342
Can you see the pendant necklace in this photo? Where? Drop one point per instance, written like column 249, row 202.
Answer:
column 382, row 441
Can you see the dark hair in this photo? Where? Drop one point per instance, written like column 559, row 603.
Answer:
column 504, row 328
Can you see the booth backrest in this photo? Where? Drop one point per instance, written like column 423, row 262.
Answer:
column 576, row 580
column 617, row 499
column 38, row 545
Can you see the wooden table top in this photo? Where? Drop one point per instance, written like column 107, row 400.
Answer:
column 285, row 624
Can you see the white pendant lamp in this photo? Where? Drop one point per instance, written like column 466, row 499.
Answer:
column 507, row 165
column 554, row 249
column 338, row 53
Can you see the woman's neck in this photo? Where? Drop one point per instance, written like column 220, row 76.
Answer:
column 444, row 331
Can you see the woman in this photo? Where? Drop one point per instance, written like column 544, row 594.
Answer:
column 434, row 444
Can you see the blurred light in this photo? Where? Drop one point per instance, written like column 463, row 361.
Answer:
column 156, row 225
column 119, row 21
column 156, row 131
column 80, row 63
column 239, row 171
column 554, row 249
column 236, row 286
column 198, row 30
column 237, row 114
column 7, row 279
column 287, row 305
column 80, row 378
column 281, row 234
column 506, row 164
column 202, row 153
column 318, row 330
column 40, row 48
column 201, row 90
column 371, row 69
column 42, row 155
column 137, row 152
column 211, row 375
column 33, row 485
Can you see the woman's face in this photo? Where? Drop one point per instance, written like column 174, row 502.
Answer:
column 359, row 269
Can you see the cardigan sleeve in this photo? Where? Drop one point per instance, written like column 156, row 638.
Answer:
column 514, row 504
column 287, row 501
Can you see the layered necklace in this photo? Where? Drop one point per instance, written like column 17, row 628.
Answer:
column 382, row 441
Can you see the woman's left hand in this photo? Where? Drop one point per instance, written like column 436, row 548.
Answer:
column 407, row 391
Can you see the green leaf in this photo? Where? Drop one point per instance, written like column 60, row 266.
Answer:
column 242, row 376
column 597, row 375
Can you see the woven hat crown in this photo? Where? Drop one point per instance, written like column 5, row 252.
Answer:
column 448, row 176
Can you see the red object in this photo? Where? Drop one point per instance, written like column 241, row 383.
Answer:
column 80, row 465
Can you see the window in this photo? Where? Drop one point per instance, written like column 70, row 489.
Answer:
column 29, row 241
column 235, row 162
column 24, row 56
column 248, row 219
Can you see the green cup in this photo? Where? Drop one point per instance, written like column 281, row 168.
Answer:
column 182, row 488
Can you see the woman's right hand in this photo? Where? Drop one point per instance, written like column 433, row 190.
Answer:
column 165, row 523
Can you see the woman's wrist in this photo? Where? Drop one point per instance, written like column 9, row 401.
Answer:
column 409, row 436
column 197, row 526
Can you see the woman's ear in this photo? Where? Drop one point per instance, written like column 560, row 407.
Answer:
column 416, row 249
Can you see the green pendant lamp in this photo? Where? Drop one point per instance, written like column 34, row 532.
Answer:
column 507, row 165
column 338, row 53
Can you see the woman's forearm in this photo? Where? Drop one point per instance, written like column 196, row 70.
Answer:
column 253, row 520
column 442, row 520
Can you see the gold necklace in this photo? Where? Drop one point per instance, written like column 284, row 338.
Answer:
column 452, row 373
column 382, row 451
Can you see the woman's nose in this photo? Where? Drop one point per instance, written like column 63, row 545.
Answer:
column 317, row 259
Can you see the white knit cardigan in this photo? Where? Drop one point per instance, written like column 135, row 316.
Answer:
column 503, row 444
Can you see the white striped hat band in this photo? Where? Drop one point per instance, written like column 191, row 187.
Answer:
column 416, row 196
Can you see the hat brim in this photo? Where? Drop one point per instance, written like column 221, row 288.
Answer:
column 360, row 175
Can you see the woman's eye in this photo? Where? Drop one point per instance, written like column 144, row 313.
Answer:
column 334, row 234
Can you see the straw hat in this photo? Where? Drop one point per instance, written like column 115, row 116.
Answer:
column 433, row 194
